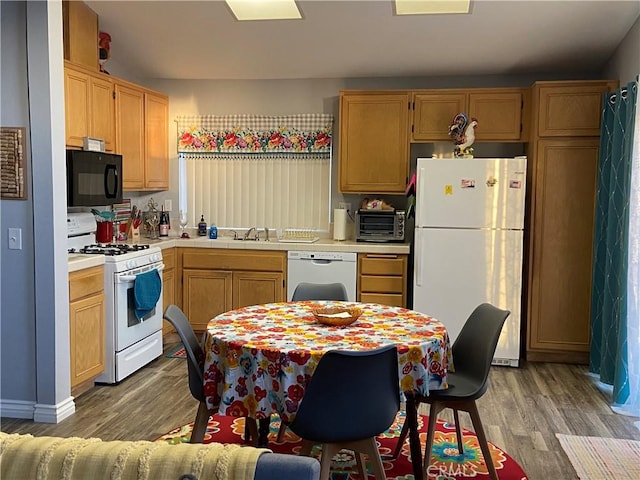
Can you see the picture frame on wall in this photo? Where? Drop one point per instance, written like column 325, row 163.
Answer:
column 12, row 163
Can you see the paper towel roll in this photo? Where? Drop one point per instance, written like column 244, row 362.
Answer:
column 339, row 224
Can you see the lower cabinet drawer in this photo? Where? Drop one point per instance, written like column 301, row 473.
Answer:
column 395, row 300
column 371, row 264
column 86, row 282
column 382, row 284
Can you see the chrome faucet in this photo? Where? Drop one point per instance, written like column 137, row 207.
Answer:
column 252, row 229
column 266, row 234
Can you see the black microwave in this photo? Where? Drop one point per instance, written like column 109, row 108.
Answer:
column 93, row 178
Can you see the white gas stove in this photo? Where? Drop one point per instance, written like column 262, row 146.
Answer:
column 130, row 342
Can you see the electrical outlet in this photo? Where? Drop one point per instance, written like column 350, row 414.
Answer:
column 345, row 205
column 168, row 205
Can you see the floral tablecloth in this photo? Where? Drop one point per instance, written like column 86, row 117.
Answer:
column 260, row 358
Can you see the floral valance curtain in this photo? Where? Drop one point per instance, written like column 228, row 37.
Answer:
column 255, row 134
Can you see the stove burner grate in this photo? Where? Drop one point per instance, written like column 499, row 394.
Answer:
column 109, row 249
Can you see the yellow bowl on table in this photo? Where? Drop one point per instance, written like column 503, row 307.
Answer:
column 337, row 316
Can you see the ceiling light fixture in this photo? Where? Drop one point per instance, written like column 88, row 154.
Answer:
column 431, row 7
column 264, row 9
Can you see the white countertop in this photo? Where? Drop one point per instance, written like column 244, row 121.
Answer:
column 78, row 261
column 324, row 244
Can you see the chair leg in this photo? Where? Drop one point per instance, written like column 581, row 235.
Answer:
column 251, row 431
column 263, row 431
column 456, row 419
column 482, row 439
column 281, row 432
column 307, row 446
column 328, row 452
column 370, row 447
column 434, row 409
column 401, row 439
column 200, row 424
column 362, row 467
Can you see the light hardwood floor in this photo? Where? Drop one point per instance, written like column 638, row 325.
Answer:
column 522, row 411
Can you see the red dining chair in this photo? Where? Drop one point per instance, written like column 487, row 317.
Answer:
column 472, row 354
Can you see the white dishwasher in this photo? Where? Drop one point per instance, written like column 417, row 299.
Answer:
column 322, row 267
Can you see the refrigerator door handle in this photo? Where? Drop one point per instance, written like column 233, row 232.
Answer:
column 418, row 261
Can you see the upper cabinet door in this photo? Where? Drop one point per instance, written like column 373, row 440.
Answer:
column 433, row 113
column 77, row 110
column 499, row 115
column 130, row 135
column 571, row 110
column 156, row 164
column 102, row 112
column 374, row 142
column 80, row 34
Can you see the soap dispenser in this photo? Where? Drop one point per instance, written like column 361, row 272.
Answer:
column 202, row 227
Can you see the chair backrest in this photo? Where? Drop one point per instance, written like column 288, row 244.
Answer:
column 320, row 291
column 476, row 344
column 351, row 396
column 195, row 353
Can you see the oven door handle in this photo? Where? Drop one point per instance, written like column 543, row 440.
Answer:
column 131, row 278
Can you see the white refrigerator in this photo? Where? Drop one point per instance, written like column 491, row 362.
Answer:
column 469, row 242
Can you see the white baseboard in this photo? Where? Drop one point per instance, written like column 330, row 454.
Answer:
column 16, row 408
column 45, row 413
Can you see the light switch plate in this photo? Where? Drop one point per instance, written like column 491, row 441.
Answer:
column 15, row 239
column 168, row 205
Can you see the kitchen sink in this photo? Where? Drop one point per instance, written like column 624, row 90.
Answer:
column 252, row 235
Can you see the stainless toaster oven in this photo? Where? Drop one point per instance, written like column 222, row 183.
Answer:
column 380, row 225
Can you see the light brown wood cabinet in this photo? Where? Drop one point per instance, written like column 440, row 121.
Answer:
column 168, row 284
column 133, row 121
column 89, row 107
column 499, row 112
column 561, row 192
column 142, row 129
column 86, row 327
column 567, row 109
column 374, row 141
column 214, row 282
column 382, row 278
column 80, row 34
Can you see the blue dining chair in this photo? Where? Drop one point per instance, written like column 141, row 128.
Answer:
column 195, row 366
column 472, row 354
column 351, row 398
column 320, row 291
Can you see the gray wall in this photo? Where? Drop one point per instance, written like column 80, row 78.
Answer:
column 17, row 309
column 625, row 62
column 34, row 324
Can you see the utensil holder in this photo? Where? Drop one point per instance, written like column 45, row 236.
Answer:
column 104, row 232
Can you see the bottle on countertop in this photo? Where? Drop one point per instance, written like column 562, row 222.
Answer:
column 163, row 226
column 202, row 227
column 213, row 232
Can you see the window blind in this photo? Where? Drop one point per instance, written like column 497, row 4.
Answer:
column 242, row 171
column 244, row 191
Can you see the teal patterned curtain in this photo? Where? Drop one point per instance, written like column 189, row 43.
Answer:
column 614, row 312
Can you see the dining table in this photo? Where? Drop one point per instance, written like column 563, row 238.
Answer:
column 260, row 358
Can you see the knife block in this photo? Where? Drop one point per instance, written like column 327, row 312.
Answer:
column 133, row 233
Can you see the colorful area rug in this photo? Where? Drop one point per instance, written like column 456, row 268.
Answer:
column 602, row 458
column 446, row 464
column 178, row 352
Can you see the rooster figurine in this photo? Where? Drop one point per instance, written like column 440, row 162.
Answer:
column 463, row 135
